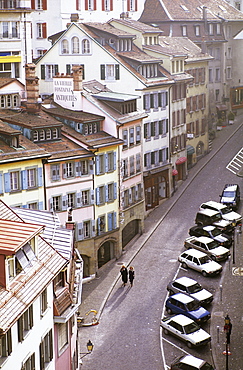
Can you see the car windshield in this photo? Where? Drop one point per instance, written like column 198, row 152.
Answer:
column 216, row 232
column 204, row 259
column 194, row 288
column 216, row 217
column 206, row 366
column 226, row 210
column 192, row 306
column 212, row 245
column 228, row 194
column 191, row 328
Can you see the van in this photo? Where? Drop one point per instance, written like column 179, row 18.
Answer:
column 207, row 216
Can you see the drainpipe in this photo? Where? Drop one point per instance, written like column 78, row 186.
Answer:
column 44, row 161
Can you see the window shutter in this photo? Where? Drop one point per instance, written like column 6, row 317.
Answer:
column 20, row 329
column 114, row 220
column 111, row 5
column 80, row 231
column 43, row 75
column 102, row 72
column 114, row 161
column 97, row 165
column 77, row 5
column 128, row 6
column 44, row 4
column 77, row 169
column 42, row 360
column 79, row 199
column 32, row 4
column 117, row 71
column 145, row 160
column 106, row 162
column 40, row 206
column 56, row 69
column 83, row 75
column 64, row 202
column 103, row 5
column 97, row 196
column 92, row 196
column 1, row 183
column 106, row 193
column 166, row 98
column 24, row 179
column 40, row 177
column 68, row 69
column 44, row 32
column 31, row 316
column 93, row 227
column 86, row 5
column 95, row 6
column 115, row 190
column 167, row 124
column 7, row 182
column 64, row 170
column 109, row 221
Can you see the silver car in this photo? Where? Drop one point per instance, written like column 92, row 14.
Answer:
column 199, row 261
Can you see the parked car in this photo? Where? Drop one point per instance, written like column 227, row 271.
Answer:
column 192, row 288
column 199, row 261
column 185, row 329
column 189, row 362
column 209, row 246
column 231, row 196
column 213, row 233
column 209, row 217
column 226, row 212
column 188, row 306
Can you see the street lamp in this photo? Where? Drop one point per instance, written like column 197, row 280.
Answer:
column 90, row 347
column 233, row 239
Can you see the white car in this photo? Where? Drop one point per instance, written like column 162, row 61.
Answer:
column 225, row 211
column 186, row 329
column 209, row 246
column 190, row 362
column 199, row 261
column 191, row 287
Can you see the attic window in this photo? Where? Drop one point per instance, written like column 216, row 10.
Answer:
column 184, row 8
column 15, row 142
column 111, row 41
column 25, row 255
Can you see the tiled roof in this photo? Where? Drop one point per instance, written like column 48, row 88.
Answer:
column 29, row 120
column 143, row 27
column 107, row 28
column 56, row 110
column 56, row 235
column 7, row 80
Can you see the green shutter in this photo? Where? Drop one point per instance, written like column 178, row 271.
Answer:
column 102, row 72
column 68, row 69
column 117, row 71
column 83, row 76
column 56, row 69
column 43, row 74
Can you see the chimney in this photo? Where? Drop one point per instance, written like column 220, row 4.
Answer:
column 204, row 14
column 32, row 89
column 77, row 78
column 74, row 17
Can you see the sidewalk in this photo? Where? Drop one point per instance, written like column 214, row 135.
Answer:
column 96, row 292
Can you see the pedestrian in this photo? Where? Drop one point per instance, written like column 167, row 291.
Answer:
column 131, row 275
column 124, row 274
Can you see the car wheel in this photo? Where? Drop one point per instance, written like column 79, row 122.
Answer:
column 204, row 273
column 213, row 258
column 166, row 332
column 184, row 265
column 171, row 292
column 189, row 345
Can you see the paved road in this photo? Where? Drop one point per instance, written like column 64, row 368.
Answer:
column 128, row 335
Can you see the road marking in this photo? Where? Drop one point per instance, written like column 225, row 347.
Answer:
column 236, row 163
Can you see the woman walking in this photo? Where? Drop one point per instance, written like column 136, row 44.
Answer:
column 124, row 274
column 131, row 275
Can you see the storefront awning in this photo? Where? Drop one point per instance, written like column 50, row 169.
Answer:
column 174, row 172
column 181, row 160
column 190, row 149
column 221, row 107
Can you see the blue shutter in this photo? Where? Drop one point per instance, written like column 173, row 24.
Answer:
column 40, row 206
column 92, row 196
column 64, row 170
column 97, row 196
column 51, row 204
column 80, row 231
column 91, row 166
column 106, row 193
column 40, row 176
column 64, row 202
column 109, row 221
column 78, row 169
column 114, row 220
column 79, row 200
column 93, row 227
column 98, row 225
column 24, row 179
column 114, row 161
column 106, row 162
column 97, row 165
column 1, row 183
column 115, row 190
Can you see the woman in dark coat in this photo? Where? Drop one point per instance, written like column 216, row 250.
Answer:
column 131, row 275
column 124, row 274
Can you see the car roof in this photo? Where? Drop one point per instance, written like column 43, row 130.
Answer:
column 209, row 227
column 231, row 187
column 191, row 360
column 181, row 319
column 214, row 204
column 194, row 252
column 204, row 239
column 207, row 211
column 184, row 298
column 186, row 281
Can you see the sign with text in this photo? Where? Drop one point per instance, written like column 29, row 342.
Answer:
column 64, row 94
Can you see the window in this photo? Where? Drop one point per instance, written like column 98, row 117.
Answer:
column 68, row 170
column 85, row 197
column 131, row 165
column 15, row 33
column 110, row 192
column 31, row 178
column 109, row 72
column 85, row 46
column 100, row 195
column 210, row 75
column 101, row 224
column 62, row 335
column 217, row 74
column 111, row 159
column 14, row 181
column 111, row 221
column 6, row 344
column 147, row 131
column 29, row 364
column 107, row 5
column 218, row 29
column 59, row 282
column 217, row 53
column 124, row 137
column 43, row 299
column 197, row 30
column 184, row 30
column 229, row 53
column 210, row 28
column 138, row 134
column 217, row 94
column 84, row 167
column 5, row 70
column 65, row 47
column 125, row 168
column 41, row 30
column 228, row 72
column 71, row 200
column 56, row 203
column 48, row 71
column 86, row 229
column 55, row 172
column 25, row 323
column 33, row 205
column 46, row 350
column 100, row 164
column 138, row 162
column 131, row 136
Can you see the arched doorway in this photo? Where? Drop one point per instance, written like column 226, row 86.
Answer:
column 129, row 231
column 86, row 265
column 105, row 253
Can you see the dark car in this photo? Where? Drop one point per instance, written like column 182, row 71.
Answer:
column 212, row 232
column 231, row 196
column 205, row 217
column 181, row 303
column 187, row 362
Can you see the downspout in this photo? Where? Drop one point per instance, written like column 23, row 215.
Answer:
column 44, row 161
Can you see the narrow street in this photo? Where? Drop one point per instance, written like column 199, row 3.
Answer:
column 129, row 335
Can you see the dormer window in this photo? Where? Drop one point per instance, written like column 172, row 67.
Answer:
column 65, row 47
column 20, row 261
column 197, row 30
column 184, row 30
column 210, row 28
column 148, row 70
column 15, row 142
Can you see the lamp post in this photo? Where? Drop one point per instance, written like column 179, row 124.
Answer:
column 90, row 347
column 233, row 239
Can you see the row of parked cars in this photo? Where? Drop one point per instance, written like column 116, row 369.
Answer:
column 208, row 244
